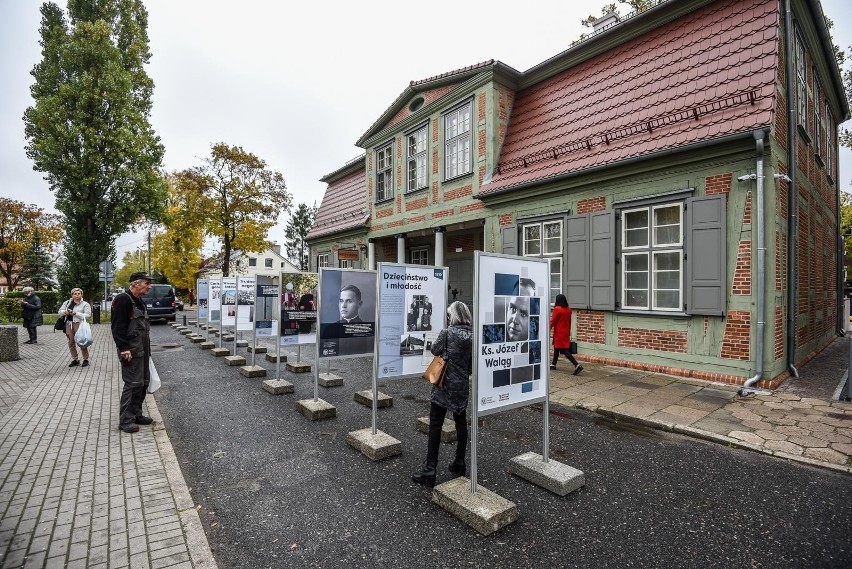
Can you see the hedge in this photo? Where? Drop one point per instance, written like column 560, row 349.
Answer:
column 10, row 306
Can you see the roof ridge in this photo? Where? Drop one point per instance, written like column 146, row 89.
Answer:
column 479, row 65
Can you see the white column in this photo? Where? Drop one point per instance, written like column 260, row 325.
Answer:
column 400, row 247
column 371, row 255
column 439, row 246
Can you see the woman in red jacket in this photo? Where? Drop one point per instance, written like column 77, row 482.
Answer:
column 560, row 330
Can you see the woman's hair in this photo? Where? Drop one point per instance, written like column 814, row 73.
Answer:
column 459, row 313
column 561, row 301
column 73, row 290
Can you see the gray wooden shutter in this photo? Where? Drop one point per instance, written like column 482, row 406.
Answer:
column 510, row 240
column 706, row 255
column 577, row 261
column 602, row 260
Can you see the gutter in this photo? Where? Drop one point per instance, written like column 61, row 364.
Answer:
column 760, row 216
column 792, row 219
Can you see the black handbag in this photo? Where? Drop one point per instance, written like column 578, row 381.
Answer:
column 60, row 324
column 573, row 347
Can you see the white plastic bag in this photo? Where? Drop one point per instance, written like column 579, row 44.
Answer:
column 154, row 384
column 83, row 337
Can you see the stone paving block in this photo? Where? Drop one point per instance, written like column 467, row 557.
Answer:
column 275, row 358
column 277, row 386
column 207, row 345
column 298, row 367
column 196, row 339
column 329, row 380
column 228, row 337
column 485, row 511
column 316, row 410
column 256, row 349
column 557, row 477
column 376, row 446
column 253, row 371
column 235, row 361
column 366, row 398
column 219, row 352
column 448, row 429
column 242, row 343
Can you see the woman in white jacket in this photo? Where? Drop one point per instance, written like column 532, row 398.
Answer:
column 75, row 310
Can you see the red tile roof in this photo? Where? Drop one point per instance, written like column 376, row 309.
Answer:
column 706, row 75
column 344, row 205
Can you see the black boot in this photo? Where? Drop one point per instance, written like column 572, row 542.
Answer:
column 457, row 467
column 425, row 476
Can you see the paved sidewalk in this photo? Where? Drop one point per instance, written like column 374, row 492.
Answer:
column 815, row 431
column 74, row 490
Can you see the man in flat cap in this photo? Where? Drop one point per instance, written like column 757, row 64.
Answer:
column 132, row 335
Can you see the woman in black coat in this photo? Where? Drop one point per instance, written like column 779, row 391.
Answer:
column 455, row 343
column 31, row 305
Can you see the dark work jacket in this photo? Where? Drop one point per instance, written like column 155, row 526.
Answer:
column 32, row 310
column 130, row 328
column 455, row 344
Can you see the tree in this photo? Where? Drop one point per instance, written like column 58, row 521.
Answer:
column 19, row 224
column 242, row 199
column 176, row 251
column 296, row 232
column 88, row 130
column 37, row 270
column 131, row 262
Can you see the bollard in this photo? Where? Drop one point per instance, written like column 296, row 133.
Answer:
column 184, row 319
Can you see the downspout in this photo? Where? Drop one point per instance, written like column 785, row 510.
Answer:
column 792, row 201
column 761, row 265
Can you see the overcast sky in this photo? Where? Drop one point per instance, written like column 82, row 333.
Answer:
column 297, row 83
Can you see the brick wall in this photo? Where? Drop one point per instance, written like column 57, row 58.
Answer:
column 719, row 184
column 647, row 339
column 466, row 242
column 592, row 204
column 415, row 204
column 778, row 340
column 736, row 342
column 590, row 326
column 443, row 213
column 505, row 219
column 458, row 193
column 741, row 283
column 380, row 213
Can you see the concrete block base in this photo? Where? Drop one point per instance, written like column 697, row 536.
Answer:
column 256, row 349
column 207, row 345
column 375, row 447
column 316, row 410
column 235, row 361
column 196, row 339
column 219, row 352
column 330, row 380
column 253, row 371
column 242, row 343
column 448, row 430
column 298, row 367
column 366, row 398
column 552, row 475
column 277, row 386
column 484, row 511
column 274, row 358
column 192, row 322
column 186, row 331
column 227, row 338
column 212, row 330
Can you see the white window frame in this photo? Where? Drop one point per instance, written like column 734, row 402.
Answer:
column 384, row 172
column 417, row 148
column 252, row 262
column 458, row 156
column 830, row 130
column 323, row 260
column 801, row 85
column 419, row 256
column 818, row 119
column 344, row 263
column 554, row 257
column 651, row 251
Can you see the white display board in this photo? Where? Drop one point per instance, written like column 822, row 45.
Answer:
column 298, row 308
column 511, row 331
column 229, row 301
column 215, row 301
column 266, row 307
column 245, row 303
column 347, row 312
column 202, row 295
column 412, row 312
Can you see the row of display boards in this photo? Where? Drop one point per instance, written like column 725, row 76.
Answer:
column 395, row 314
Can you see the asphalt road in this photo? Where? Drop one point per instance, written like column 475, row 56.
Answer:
column 277, row 490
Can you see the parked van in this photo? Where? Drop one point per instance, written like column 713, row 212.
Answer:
column 161, row 302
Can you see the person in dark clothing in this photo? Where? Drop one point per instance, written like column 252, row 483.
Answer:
column 455, row 343
column 560, row 325
column 31, row 305
column 132, row 335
